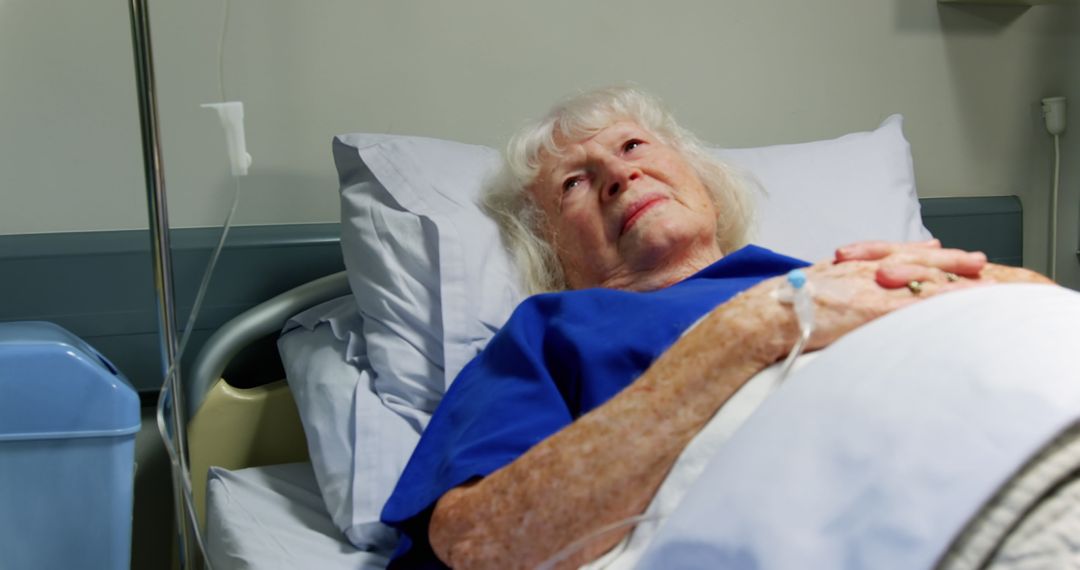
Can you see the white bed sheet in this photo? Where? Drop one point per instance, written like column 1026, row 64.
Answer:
column 878, row 453
column 273, row 517
column 247, row 528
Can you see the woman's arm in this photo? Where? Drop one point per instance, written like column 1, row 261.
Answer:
column 608, row 464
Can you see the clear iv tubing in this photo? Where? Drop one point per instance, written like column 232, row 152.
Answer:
column 797, row 292
column 803, row 303
column 177, row 457
column 579, row 544
column 221, row 48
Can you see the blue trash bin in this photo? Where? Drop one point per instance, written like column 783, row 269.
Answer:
column 68, row 420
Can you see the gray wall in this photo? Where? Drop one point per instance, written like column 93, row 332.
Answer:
column 968, row 80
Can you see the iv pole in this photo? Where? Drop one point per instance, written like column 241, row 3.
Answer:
column 160, row 253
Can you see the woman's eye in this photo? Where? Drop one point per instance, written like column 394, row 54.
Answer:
column 632, row 144
column 571, row 183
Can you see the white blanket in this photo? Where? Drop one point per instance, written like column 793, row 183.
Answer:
column 878, row 453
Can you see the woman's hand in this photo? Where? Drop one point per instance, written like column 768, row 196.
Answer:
column 923, row 262
column 926, row 262
column 869, row 279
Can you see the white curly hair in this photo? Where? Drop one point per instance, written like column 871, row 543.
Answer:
column 522, row 223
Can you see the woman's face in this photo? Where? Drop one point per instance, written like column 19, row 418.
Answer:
column 626, row 211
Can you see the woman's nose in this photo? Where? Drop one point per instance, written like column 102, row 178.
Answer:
column 621, row 177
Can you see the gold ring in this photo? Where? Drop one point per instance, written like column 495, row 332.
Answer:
column 951, row 277
column 915, row 287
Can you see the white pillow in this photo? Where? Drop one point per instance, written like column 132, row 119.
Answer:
column 419, row 254
column 358, row 446
column 426, row 265
column 413, row 237
column 821, row 195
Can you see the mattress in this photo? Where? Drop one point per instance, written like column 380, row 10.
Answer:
column 273, row 517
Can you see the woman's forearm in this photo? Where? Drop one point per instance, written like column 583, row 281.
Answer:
column 607, row 465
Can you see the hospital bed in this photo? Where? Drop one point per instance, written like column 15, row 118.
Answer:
column 272, row 502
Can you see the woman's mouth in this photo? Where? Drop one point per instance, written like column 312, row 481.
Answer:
column 637, row 210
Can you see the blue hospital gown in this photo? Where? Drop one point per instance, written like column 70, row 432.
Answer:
column 557, row 357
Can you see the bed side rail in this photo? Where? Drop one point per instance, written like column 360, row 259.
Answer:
column 259, row 321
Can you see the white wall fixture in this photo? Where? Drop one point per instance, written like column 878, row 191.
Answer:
column 1053, row 111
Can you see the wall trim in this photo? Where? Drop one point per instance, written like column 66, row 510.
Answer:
column 99, row 286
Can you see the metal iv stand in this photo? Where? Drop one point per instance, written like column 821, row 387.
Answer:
column 162, row 258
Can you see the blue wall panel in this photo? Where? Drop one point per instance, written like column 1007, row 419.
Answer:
column 99, row 284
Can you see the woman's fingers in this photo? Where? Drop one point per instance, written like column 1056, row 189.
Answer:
column 874, row 250
column 896, row 276
column 902, row 263
column 929, row 266
column 965, row 263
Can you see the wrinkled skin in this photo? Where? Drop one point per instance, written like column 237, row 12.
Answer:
column 869, row 279
column 605, row 467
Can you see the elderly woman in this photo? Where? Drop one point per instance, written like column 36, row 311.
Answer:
column 573, row 415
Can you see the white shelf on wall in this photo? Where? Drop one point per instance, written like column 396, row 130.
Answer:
column 1008, row 2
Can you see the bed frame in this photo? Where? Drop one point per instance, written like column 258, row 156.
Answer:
column 235, row 427
column 247, row 427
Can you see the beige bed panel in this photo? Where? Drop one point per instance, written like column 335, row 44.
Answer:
column 242, row 427
column 247, row 427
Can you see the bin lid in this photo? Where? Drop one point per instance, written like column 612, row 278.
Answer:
column 54, row 385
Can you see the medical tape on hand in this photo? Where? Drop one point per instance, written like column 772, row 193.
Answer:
column 797, row 291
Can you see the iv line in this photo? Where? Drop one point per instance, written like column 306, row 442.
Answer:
column 803, row 304
column 221, row 48
column 178, row 457
column 799, row 293
column 576, row 546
